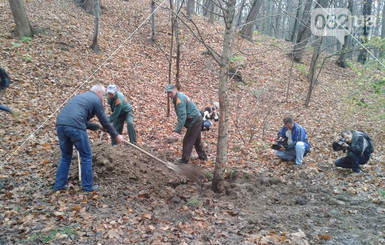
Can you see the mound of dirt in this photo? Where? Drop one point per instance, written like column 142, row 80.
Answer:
column 124, row 164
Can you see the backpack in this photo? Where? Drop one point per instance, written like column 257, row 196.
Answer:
column 4, row 79
column 370, row 146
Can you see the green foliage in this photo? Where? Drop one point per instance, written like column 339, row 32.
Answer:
column 51, row 236
column 236, row 58
column 353, row 67
column 381, row 193
column 26, row 40
column 27, row 57
column 15, row 45
column 209, row 175
column 379, row 86
column 301, row 68
column 194, row 203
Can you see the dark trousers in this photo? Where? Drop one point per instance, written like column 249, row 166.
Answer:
column 193, row 138
column 119, row 123
column 352, row 161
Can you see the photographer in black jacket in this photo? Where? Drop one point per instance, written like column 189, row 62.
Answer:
column 359, row 148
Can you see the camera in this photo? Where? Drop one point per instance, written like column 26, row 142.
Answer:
column 278, row 144
column 337, row 145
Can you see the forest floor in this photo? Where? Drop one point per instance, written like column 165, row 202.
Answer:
column 140, row 201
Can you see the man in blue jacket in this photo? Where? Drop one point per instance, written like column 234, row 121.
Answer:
column 189, row 117
column 297, row 142
column 71, row 125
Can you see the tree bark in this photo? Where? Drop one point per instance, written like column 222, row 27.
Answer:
column 304, row 33
column 313, row 69
column 94, row 45
column 382, row 51
column 295, row 27
column 247, row 30
column 190, row 8
column 219, row 171
column 153, row 26
column 23, row 26
column 345, row 47
column 366, row 12
column 239, row 15
column 312, row 77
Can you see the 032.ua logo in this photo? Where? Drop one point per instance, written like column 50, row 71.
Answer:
column 335, row 22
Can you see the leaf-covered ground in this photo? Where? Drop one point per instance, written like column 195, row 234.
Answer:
column 140, row 201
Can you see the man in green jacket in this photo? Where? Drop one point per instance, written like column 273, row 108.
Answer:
column 121, row 111
column 190, row 117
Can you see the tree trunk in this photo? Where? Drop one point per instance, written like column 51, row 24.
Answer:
column 248, row 28
column 211, row 12
column 177, row 42
column 343, row 56
column 190, row 8
column 94, row 45
column 366, row 11
column 267, row 27
column 312, row 77
column 219, row 171
column 23, row 26
column 295, row 27
column 239, row 16
column 278, row 19
column 304, row 33
column 382, row 51
column 171, row 50
column 313, row 69
column 153, row 26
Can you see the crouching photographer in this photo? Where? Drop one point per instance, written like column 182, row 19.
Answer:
column 359, row 148
column 292, row 142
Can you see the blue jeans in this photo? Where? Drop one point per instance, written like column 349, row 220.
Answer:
column 297, row 153
column 352, row 161
column 68, row 137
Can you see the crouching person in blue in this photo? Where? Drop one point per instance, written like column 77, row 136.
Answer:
column 297, row 142
column 71, row 125
column 359, row 148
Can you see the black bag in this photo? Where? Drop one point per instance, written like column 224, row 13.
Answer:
column 370, row 142
column 4, row 79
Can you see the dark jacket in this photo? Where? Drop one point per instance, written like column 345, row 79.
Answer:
column 297, row 134
column 187, row 112
column 80, row 109
column 4, row 83
column 119, row 106
column 360, row 145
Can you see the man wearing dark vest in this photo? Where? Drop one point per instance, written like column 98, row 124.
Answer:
column 189, row 117
column 121, row 112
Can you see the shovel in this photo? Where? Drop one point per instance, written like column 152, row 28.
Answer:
column 192, row 173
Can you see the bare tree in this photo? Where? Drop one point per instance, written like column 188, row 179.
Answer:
column 190, row 8
column 304, row 33
column 312, row 76
column 219, row 171
column 345, row 47
column 23, row 26
column 366, row 12
column 382, row 52
column 94, row 45
column 153, row 26
column 247, row 29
